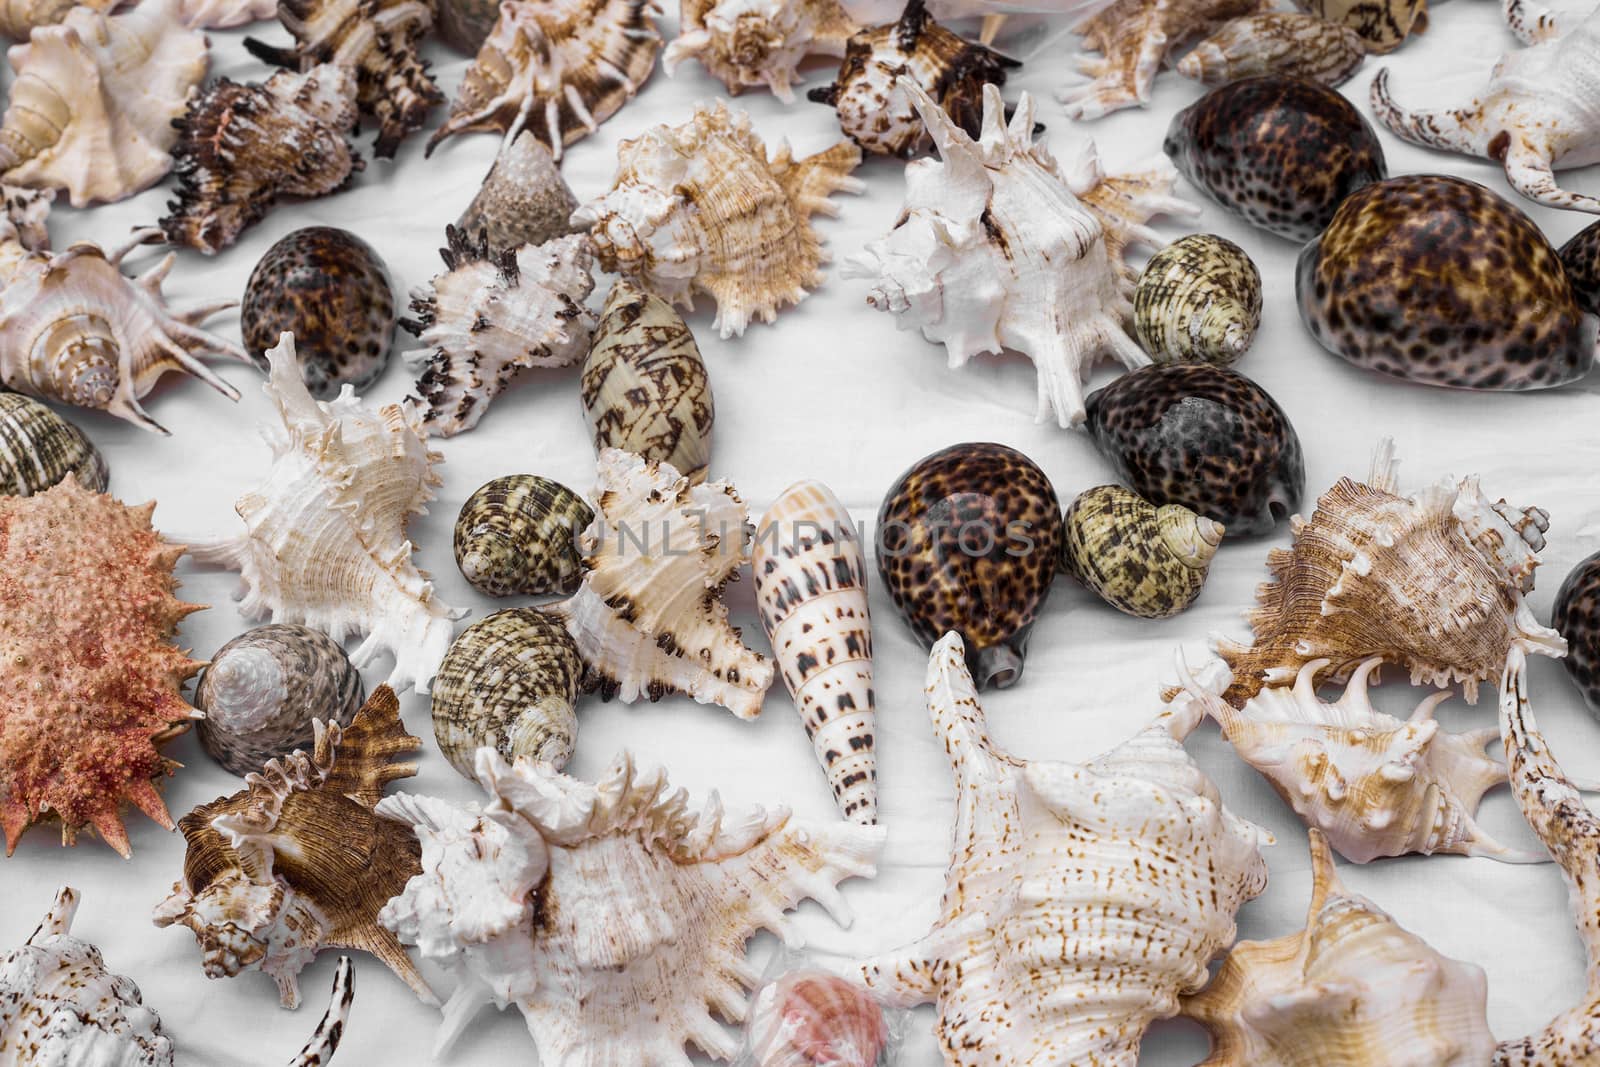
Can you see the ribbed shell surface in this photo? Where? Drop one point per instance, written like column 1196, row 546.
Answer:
column 519, row 535
column 38, row 448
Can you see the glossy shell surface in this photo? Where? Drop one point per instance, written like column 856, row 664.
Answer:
column 1140, row 559
column 1577, row 616
column 1199, row 298
column 518, row 535
column 38, row 448
column 1581, row 257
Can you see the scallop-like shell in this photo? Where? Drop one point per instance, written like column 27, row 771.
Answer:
column 1276, row 42
column 511, row 683
column 298, row 860
column 19, row 18
column 263, row 689
column 1386, row 289
column 1576, row 617
column 1081, row 899
column 1382, row 24
column 810, row 1018
column 985, row 576
column 517, row 535
column 877, row 114
column 38, row 448
column 1433, row 582
column 241, row 147
column 95, row 96
column 1581, row 258
column 523, row 200
column 1140, row 559
column 492, row 314
column 1199, row 298
column 644, row 386
column 700, row 207
column 1354, row 987
column 811, row 588
column 1281, row 153
column 224, row 14
column 753, row 44
column 612, row 915
column 324, row 543
column 83, row 718
column 558, row 68
column 1205, row 437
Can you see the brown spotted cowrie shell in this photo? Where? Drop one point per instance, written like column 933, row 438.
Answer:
column 1581, row 257
column 1577, row 617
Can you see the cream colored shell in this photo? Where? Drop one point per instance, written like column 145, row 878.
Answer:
column 750, row 44
column 18, row 18
column 224, row 14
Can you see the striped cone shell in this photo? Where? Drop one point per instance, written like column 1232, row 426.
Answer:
column 38, row 448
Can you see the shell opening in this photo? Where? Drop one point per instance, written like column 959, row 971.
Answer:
column 998, row 666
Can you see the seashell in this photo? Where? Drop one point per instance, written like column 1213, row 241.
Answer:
column 243, row 146
column 324, row 543
column 75, row 330
column 1385, row 288
column 92, row 105
column 1433, row 582
column 262, row 690
column 811, row 588
column 510, row 682
column 1276, row 42
column 377, row 40
column 518, row 536
column 624, row 977
column 224, row 14
column 700, row 207
column 465, row 24
column 751, row 44
column 331, row 290
column 1135, row 39
column 1140, row 559
column 23, row 222
column 1581, row 258
column 1382, row 24
column 298, row 860
column 1577, row 618
column 1199, row 298
column 878, row 115
column 996, row 248
column 1353, row 987
column 1205, row 437
column 19, row 18
column 493, row 314
column 1081, row 899
column 810, row 1018
column 649, row 618
column 644, row 385
column 38, row 448
column 83, row 718
column 1281, row 153
column 968, row 540
column 558, row 68
column 523, row 201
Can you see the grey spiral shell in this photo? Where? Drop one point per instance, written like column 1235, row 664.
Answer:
column 518, row 535
column 263, row 689
column 1198, row 299
column 510, row 682
column 38, row 448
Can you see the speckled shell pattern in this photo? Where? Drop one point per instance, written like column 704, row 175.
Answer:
column 1581, row 258
column 757, row 44
column 523, row 200
column 517, row 535
column 1577, row 618
column 38, row 448
column 1281, row 153
column 1199, row 298
column 1205, row 437
column 262, row 690
column 644, row 386
column 1143, row 560
column 1382, row 24
column 1276, row 42
column 224, row 14
column 510, row 682
column 331, row 290
column 811, row 1018
column 1440, row 281
column 968, row 541
column 465, row 24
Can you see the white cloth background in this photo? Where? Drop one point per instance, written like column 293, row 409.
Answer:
column 834, row 392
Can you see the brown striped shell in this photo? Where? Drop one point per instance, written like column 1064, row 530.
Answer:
column 38, row 448
column 1276, row 42
column 1140, row 559
column 1198, row 299
column 1382, row 24
column 517, row 535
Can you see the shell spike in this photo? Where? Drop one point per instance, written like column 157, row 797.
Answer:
column 195, row 367
column 1454, row 129
column 1355, row 693
column 330, row 1031
column 57, row 921
column 1424, row 712
column 126, row 407
column 1305, row 682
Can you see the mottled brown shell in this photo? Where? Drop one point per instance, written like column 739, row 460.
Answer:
column 1140, row 559
column 1382, row 24
column 1198, row 299
column 523, row 200
column 518, row 535
column 38, row 448
column 1276, row 42
column 1581, row 257
column 1577, row 617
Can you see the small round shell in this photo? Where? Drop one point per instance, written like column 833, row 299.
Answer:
column 1198, row 299
column 38, row 448
column 518, row 535
column 1140, row 559
column 263, row 690
column 1276, row 42
column 510, row 682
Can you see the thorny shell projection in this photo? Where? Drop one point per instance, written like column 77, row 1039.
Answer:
column 80, row 727
column 1199, row 298
column 324, row 543
column 626, row 976
column 700, row 207
column 38, row 448
column 998, row 247
column 1081, row 899
column 749, row 44
column 298, row 861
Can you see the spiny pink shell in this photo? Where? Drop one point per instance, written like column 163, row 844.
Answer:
column 814, row 1019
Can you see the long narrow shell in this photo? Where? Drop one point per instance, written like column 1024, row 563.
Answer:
column 1198, row 298
column 38, row 448
column 523, row 200
column 811, row 587
column 750, row 44
column 1276, row 42
column 518, row 536
column 1140, row 559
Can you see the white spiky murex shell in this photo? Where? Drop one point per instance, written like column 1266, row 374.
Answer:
column 1354, row 987
column 750, row 44
column 648, row 617
column 325, row 542
column 1081, row 899
column 999, row 248
column 700, row 207
column 613, row 915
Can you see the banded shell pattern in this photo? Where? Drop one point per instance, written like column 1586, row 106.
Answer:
column 750, row 44
column 1140, row 559
column 1382, row 24
column 1276, row 42
column 38, row 448
column 517, row 535
column 1198, row 299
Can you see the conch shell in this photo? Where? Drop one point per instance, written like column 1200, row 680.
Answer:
column 1081, row 899
column 324, row 542
column 748, row 44
column 612, row 915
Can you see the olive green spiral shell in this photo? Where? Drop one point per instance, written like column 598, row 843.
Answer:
column 38, row 448
column 518, row 535
column 1198, row 299
column 1140, row 559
